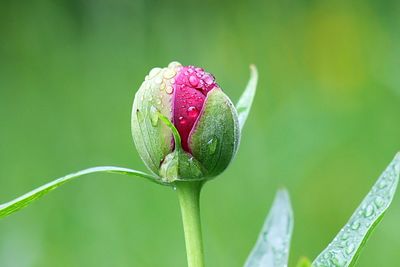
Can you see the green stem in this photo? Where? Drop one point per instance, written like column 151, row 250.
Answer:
column 189, row 196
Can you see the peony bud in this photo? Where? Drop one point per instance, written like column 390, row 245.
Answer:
column 183, row 125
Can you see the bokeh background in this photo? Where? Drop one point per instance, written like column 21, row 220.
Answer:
column 325, row 123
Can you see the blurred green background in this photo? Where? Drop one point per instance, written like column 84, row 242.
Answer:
column 325, row 123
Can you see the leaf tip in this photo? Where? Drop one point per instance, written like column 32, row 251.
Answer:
column 253, row 70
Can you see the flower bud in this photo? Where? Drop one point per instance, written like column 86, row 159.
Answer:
column 183, row 125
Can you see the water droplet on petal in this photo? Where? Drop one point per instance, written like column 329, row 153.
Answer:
column 154, row 72
column 153, row 116
column 174, row 64
column 158, row 80
column 192, row 112
column 193, row 81
column 168, row 74
column 208, row 79
column 169, row 89
column 172, row 81
column 182, row 120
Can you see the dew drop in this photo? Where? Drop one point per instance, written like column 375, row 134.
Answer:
column 193, row 81
column 172, row 81
column 192, row 112
column 174, row 64
column 369, row 210
column 158, row 80
column 355, row 225
column 169, row 89
column 379, row 201
column 382, row 184
column 337, row 260
column 265, row 236
column 154, row 72
column 182, row 120
column 139, row 115
column 212, row 145
column 208, row 79
column 169, row 73
column 350, row 248
column 345, row 236
column 153, row 116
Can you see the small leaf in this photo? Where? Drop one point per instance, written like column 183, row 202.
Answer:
column 272, row 247
column 345, row 248
column 246, row 100
column 303, row 262
column 24, row 200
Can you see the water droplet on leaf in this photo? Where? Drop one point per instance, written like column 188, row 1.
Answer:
column 153, row 116
column 379, row 201
column 355, row 225
column 350, row 248
column 369, row 210
column 212, row 145
column 139, row 115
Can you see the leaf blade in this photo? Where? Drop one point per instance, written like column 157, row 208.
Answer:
column 24, row 200
column 345, row 248
column 243, row 106
column 272, row 246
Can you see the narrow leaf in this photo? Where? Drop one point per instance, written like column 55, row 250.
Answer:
column 272, row 247
column 246, row 100
column 24, row 200
column 345, row 248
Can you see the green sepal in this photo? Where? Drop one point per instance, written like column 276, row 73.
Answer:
column 152, row 138
column 215, row 137
column 179, row 165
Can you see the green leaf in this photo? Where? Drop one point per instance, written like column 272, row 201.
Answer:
column 246, row 100
column 345, row 248
column 272, row 247
column 24, row 200
column 303, row 262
